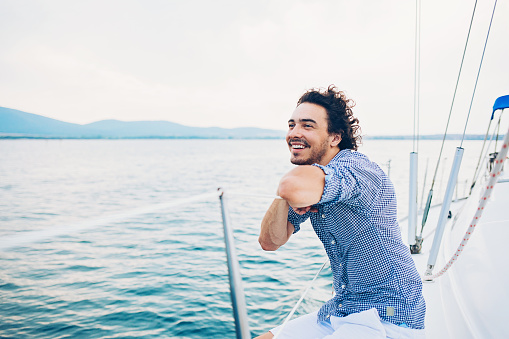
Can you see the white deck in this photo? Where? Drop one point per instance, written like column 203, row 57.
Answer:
column 470, row 300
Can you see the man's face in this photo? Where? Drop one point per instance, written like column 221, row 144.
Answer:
column 308, row 137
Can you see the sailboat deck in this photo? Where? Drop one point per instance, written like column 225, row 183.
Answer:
column 469, row 300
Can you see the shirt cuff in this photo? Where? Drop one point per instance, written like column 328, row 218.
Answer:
column 296, row 219
column 328, row 193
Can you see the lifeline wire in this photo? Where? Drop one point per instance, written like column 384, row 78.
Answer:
column 23, row 238
column 300, row 300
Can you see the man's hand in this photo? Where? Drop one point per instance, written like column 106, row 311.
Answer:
column 304, row 210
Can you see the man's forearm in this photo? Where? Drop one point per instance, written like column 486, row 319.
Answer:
column 275, row 230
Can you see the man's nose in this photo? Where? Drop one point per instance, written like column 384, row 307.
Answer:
column 295, row 132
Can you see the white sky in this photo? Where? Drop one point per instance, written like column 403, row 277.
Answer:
column 245, row 63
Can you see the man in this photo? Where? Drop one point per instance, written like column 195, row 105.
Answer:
column 352, row 207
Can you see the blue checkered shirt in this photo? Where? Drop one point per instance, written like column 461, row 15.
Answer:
column 357, row 224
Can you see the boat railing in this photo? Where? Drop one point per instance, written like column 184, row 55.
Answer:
column 236, row 289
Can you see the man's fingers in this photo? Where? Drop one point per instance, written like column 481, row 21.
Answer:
column 300, row 211
column 304, row 210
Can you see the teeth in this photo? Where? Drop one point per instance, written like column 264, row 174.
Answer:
column 297, row 146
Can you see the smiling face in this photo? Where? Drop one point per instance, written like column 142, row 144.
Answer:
column 308, row 137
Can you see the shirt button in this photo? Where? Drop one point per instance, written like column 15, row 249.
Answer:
column 323, row 216
column 343, row 286
column 333, row 242
column 340, row 305
column 340, row 265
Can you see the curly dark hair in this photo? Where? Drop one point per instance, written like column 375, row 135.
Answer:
column 339, row 112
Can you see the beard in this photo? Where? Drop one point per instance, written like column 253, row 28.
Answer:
column 315, row 157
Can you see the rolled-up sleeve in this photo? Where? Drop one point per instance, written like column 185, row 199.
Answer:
column 340, row 184
column 350, row 185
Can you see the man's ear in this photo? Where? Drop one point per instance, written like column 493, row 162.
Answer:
column 336, row 139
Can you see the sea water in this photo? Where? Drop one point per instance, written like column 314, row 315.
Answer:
column 69, row 270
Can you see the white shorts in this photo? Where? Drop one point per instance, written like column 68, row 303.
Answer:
column 366, row 324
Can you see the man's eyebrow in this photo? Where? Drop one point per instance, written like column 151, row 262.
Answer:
column 308, row 120
column 303, row 120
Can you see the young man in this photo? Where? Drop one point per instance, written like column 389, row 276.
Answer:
column 352, row 207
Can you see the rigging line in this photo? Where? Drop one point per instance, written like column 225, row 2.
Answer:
column 454, row 96
column 478, row 72
column 498, row 132
column 480, row 158
column 424, row 183
column 485, row 154
column 419, row 97
column 430, row 194
column 417, row 62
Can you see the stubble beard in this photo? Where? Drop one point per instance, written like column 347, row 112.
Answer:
column 314, row 158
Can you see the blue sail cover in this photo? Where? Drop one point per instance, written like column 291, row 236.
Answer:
column 501, row 103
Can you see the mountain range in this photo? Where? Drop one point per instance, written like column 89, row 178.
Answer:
column 18, row 124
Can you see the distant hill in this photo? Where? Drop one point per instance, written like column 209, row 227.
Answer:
column 18, row 124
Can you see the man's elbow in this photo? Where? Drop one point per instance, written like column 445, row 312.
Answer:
column 268, row 245
column 288, row 191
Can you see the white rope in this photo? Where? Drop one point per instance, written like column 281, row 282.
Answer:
column 23, row 238
column 300, row 300
column 494, row 174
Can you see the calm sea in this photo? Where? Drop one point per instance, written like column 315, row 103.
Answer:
column 79, row 261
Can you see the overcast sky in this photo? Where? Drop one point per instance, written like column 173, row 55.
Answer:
column 245, row 63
